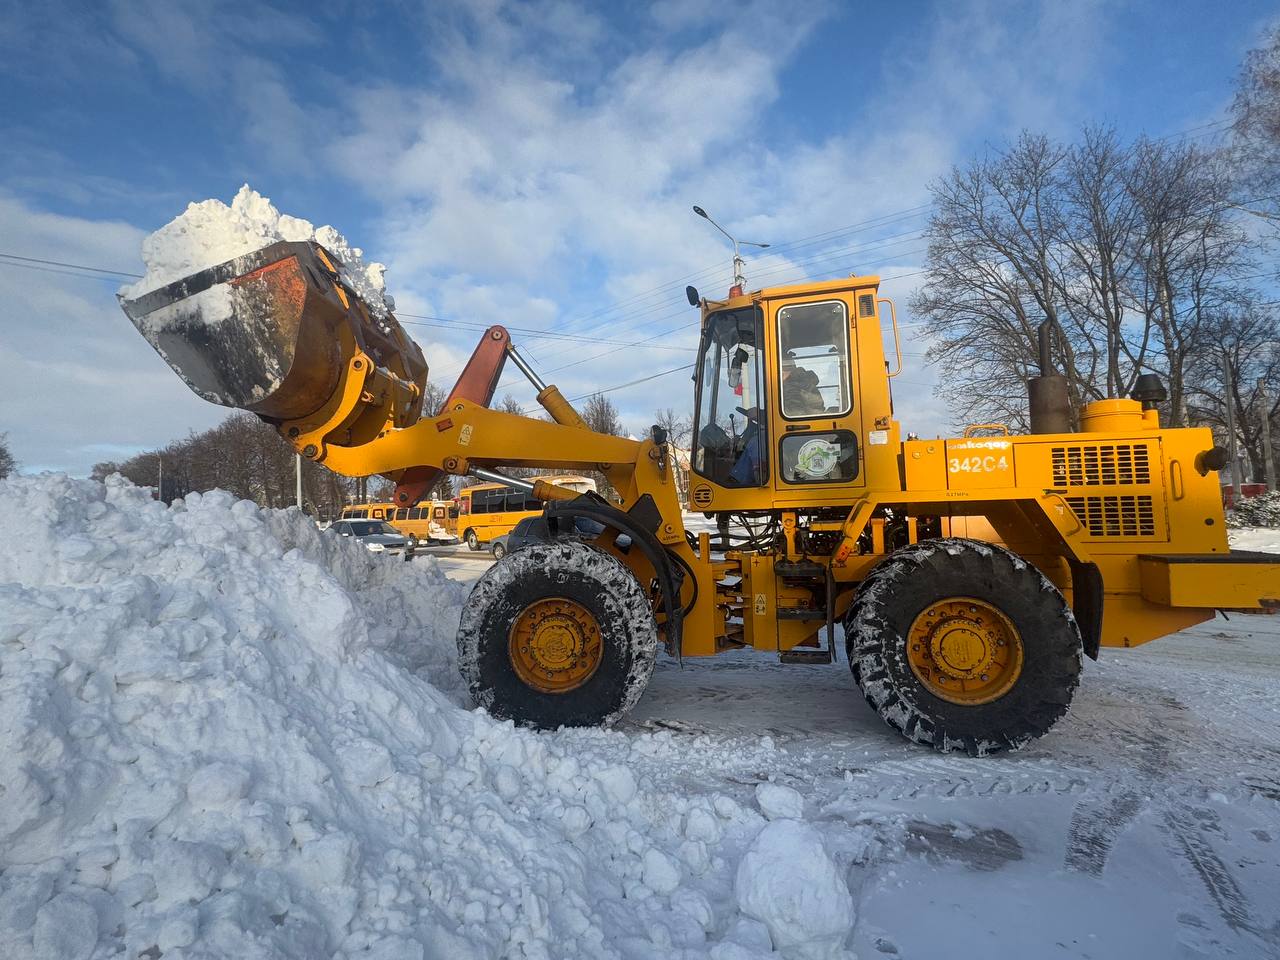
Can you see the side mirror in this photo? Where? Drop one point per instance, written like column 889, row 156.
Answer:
column 691, row 293
column 739, row 357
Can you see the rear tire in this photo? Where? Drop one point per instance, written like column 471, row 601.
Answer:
column 897, row 605
column 601, row 592
column 473, row 541
column 498, row 551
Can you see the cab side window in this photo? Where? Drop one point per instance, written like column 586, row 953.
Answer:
column 813, row 346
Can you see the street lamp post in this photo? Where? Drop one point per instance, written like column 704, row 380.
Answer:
column 739, row 280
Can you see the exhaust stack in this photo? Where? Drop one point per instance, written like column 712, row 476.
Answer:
column 1047, row 393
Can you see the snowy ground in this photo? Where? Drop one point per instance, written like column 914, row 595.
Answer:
column 1146, row 825
column 226, row 736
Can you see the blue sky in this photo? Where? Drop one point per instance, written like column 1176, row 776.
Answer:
column 531, row 164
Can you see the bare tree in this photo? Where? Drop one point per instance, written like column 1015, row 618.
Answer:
column 602, row 416
column 509, row 404
column 1099, row 228
column 1255, row 145
column 242, row 455
column 433, row 398
column 8, row 464
column 1248, row 342
column 1129, row 253
column 993, row 276
column 1189, row 250
column 679, row 431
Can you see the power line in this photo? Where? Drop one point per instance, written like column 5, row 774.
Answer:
column 632, row 383
column 76, row 266
column 55, row 270
column 530, row 332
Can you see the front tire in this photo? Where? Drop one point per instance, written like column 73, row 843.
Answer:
column 557, row 634
column 473, row 541
column 498, row 551
column 963, row 645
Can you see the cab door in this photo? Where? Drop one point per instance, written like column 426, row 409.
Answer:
column 816, row 421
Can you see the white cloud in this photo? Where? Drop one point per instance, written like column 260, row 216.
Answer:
column 541, row 175
column 77, row 375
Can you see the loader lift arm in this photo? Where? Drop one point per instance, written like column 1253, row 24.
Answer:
column 467, row 436
column 344, row 386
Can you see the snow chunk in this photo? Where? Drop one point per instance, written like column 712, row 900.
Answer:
column 661, row 873
column 210, row 233
column 218, row 784
column 619, row 784
column 66, row 929
column 788, row 882
column 778, row 802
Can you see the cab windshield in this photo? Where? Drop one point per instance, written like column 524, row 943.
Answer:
column 730, row 443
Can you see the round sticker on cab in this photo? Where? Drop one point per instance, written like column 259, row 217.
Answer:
column 817, row 458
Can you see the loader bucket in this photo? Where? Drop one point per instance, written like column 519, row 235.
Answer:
column 260, row 332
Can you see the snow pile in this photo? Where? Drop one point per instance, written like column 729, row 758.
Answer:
column 226, row 734
column 210, row 233
column 1261, row 511
column 1261, row 539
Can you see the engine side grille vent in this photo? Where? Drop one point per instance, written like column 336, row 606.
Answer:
column 1115, row 516
column 866, row 305
column 1102, row 464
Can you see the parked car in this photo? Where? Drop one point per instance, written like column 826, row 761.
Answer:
column 376, row 536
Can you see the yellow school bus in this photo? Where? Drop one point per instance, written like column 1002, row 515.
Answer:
column 428, row 522
column 490, row 510
column 368, row 511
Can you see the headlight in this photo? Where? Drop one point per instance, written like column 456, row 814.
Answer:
column 375, row 547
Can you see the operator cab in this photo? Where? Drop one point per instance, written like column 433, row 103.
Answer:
column 780, row 402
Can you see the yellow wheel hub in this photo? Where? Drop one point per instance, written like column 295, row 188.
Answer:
column 965, row 650
column 555, row 645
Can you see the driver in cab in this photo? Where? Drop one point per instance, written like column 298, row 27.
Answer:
column 800, row 394
column 800, row 398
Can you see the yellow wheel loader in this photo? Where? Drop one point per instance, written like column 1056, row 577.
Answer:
column 970, row 575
